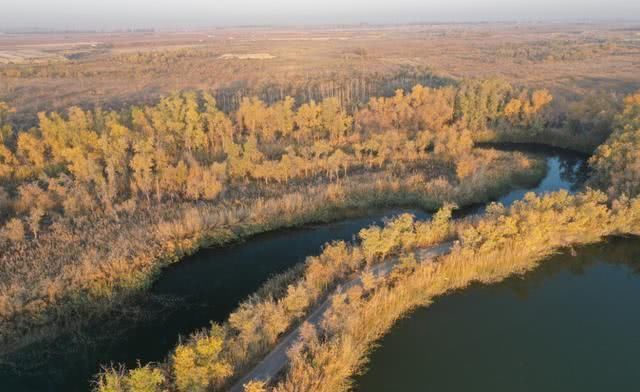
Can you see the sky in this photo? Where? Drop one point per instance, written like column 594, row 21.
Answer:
column 116, row 14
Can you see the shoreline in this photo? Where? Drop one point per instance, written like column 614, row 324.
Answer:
column 387, row 197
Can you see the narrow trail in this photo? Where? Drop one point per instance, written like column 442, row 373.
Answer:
column 277, row 359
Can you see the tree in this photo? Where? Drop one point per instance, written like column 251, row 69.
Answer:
column 8, row 162
column 616, row 163
column 513, row 110
column 251, row 115
column 142, row 165
column 35, row 216
column 540, row 99
column 115, row 144
column 479, row 102
column 31, row 149
column 308, row 121
column 434, row 108
column 173, row 179
column 5, row 201
column 198, row 365
column 5, row 128
column 32, row 196
column 334, row 119
column 454, row 143
column 13, row 230
column 338, row 160
column 255, row 386
column 194, row 131
column 202, row 182
column 218, row 125
column 281, row 117
column 145, row 379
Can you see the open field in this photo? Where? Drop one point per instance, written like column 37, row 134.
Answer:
column 53, row 71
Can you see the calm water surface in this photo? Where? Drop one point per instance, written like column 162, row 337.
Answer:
column 570, row 325
column 187, row 296
column 203, row 288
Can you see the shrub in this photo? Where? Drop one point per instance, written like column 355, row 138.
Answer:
column 145, row 379
column 198, row 365
column 13, row 230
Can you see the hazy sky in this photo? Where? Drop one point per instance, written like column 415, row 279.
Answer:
column 101, row 14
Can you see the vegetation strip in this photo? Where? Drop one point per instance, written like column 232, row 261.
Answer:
column 213, row 358
column 277, row 359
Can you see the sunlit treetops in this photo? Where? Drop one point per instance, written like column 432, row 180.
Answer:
column 185, row 148
column 616, row 163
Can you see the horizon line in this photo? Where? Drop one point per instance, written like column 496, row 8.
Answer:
column 201, row 27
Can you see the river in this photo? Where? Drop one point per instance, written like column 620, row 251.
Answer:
column 570, row 325
column 206, row 287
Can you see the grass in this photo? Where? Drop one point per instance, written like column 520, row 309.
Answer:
column 501, row 244
column 256, row 325
column 94, row 266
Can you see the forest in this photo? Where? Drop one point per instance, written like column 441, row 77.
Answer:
column 487, row 249
column 167, row 167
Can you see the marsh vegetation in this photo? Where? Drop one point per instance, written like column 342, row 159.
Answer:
column 109, row 198
column 98, row 199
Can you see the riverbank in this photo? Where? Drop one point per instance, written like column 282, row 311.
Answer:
column 256, row 326
column 503, row 243
column 277, row 359
column 554, row 182
column 135, row 249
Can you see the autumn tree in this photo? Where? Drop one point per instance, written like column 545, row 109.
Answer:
column 251, row 115
column 198, row 366
column 13, row 230
column 525, row 110
column 5, row 128
column 480, row 102
column 31, row 150
column 434, row 108
column 454, row 143
column 142, row 165
column 308, row 121
column 616, row 163
column 115, row 145
column 219, row 126
column 334, row 119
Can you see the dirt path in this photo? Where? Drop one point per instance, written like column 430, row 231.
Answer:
column 277, row 359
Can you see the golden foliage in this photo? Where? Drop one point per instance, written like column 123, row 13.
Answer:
column 13, row 230
column 504, row 242
column 197, row 365
column 616, row 163
column 109, row 198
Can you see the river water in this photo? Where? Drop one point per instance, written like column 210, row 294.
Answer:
column 206, row 287
column 570, row 325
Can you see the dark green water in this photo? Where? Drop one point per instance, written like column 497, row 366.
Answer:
column 188, row 296
column 203, row 288
column 570, row 325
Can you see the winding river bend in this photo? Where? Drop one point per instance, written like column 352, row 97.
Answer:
column 208, row 286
